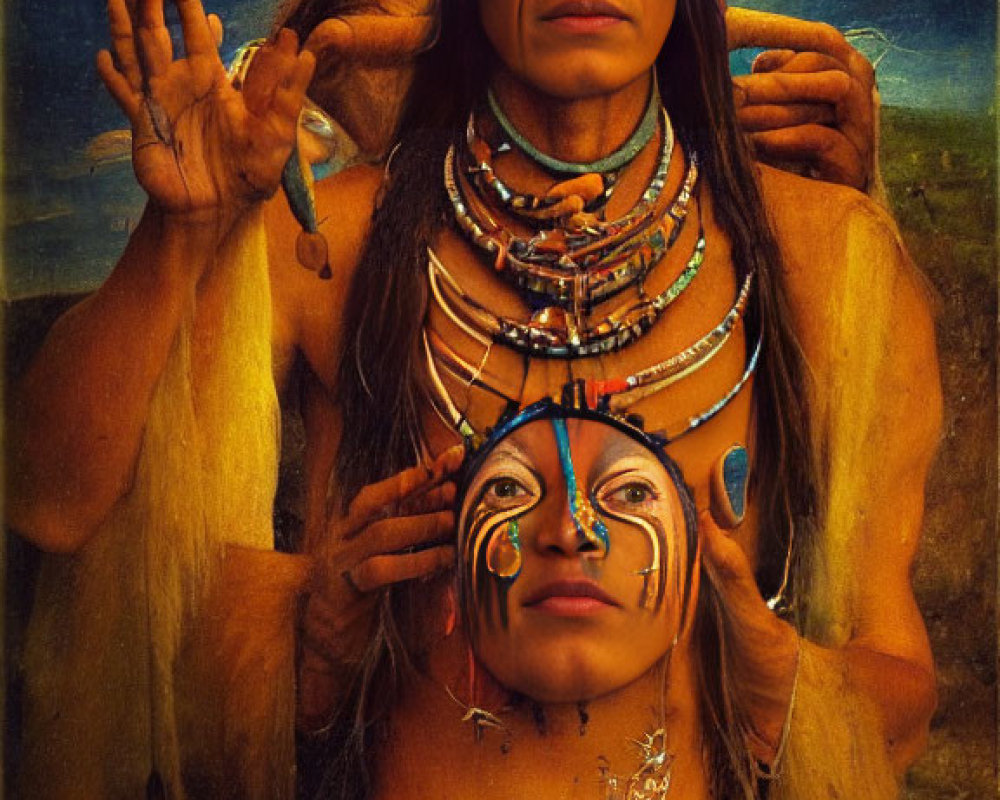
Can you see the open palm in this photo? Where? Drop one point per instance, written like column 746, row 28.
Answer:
column 198, row 144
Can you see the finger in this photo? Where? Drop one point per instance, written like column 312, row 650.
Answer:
column 799, row 62
column 198, row 36
column 150, row 14
column 380, row 571
column 749, row 28
column 218, row 32
column 290, row 93
column 396, row 534
column 830, row 86
column 440, row 497
column 755, row 118
column 286, row 41
column 298, row 80
column 442, row 469
column 371, row 40
column 277, row 77
column 379, row 499
column 286, row 107
column 154, row 49
column 118, row 85
column 448, row 462
column 771, row 60
column 827, row 152
column 123, row 43
column 261, row 81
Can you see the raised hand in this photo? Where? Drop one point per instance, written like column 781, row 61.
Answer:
column 399, row 529
column 810, row 103
column 201, row 148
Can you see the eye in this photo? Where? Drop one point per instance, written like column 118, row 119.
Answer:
column 632, row 494
column 506, row 488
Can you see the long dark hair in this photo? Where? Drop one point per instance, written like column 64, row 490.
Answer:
column 379, row 381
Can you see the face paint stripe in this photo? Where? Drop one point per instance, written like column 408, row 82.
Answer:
column 588, row 524
column 479, row 533
column 485, row 530
column 659, row 542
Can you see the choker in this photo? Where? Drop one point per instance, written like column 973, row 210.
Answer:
column 568, row 202
column 611, row 163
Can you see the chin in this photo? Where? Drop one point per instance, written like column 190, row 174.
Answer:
column 583, row 77
column 562, row 677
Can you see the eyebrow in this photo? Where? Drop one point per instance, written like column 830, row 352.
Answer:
column 507, row 449
column 617, row 450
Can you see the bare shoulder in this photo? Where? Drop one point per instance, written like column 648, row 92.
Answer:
column 817, row 222
column 829, row 234
column 307, row 308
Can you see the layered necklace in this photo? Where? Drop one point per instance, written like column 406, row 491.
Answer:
column 572, row 260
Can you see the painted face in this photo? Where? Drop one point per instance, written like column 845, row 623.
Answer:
column 577, row 48
column 574, row 560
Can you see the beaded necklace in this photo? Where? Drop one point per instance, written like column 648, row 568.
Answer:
column 574, row 260
column 573, row 247
column 551, row 270
column 552, row 332
column 618, row 394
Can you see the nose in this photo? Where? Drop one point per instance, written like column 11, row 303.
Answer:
column 560, row 532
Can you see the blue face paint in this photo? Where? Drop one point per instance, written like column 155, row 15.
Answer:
column 588, row 525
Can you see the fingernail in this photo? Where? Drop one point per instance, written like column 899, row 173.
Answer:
column 770, row 60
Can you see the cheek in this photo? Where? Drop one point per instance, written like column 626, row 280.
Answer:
column 646, row 558
column 501, row 23
column 659, row 19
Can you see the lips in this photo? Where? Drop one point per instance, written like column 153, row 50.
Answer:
column 570, row 598
column 584, row 8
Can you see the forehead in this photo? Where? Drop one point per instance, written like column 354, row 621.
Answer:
column 594, row 447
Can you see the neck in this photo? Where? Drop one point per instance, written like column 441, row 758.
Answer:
column 579, row 129
column 542, row 750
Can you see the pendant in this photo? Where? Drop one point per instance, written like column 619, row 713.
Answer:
column 651, row 781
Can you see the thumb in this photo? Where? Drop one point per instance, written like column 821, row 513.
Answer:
column 378, row 41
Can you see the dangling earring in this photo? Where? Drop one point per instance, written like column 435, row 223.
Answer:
column 503, row 554
column 730, row 478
